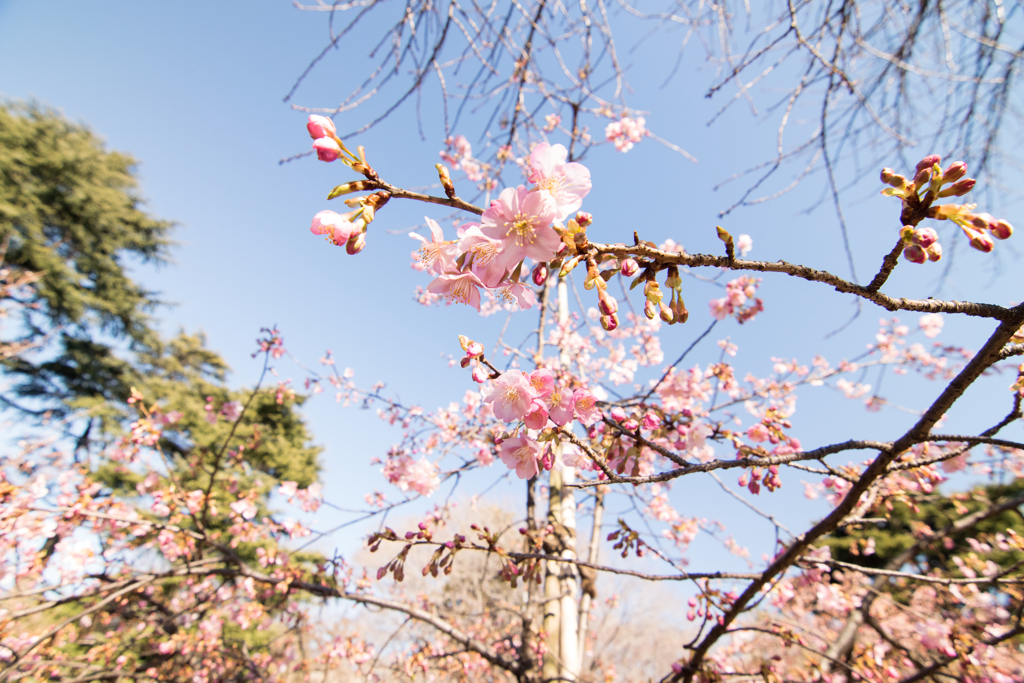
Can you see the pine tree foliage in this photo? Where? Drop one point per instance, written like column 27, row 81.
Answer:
column 70, row 212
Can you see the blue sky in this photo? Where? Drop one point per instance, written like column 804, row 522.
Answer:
column 194, row 91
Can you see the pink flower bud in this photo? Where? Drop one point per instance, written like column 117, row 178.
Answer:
column 609, row 322
column 326, row 149
column 583, row 219
column 629, row 267
column 1001, row 230
column 928, row 162
column 925, row 237
column 474, row 349
column 320, row 127
column 630, row 425
column 923, row 176
column 982, row 242
column 607, row 304
column 887, row 175
column 650, row 310
column 356, row 243
column 915, row 254
column 617, row 414
column 666, row 313
column 955, row 172
column 962, row 187
column 651, row 421
column 540, row 274
column 983, row 221
column 479, row 375
column 934, row 252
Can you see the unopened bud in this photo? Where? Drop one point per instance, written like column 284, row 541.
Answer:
column 540, row 274
column 923, row 176
column 474, row 349
column 349, row 188
column 679, row 308
column 925, row 237
column 446, row 180
column 607, row 304
column 580, row 240
column 960, row 187
column 907, row 234
column 584, row 219
column 320, row 127
column 897, row 181
column 673, row 281
column 609, row 322
column 592, row 277
column 464, row 341
column 326, row 149
column 915, row 254
column 982, row 242
column 356, row 243
column 568, row 266
column 466, row 360
column 629, row 267
column 1001, row 229
column 934, row 252
column 887, row 175
column 928, row 162
column 955, row 172
column 650, row 309
column 666, row 313
column 983, row 221
column 479, row 375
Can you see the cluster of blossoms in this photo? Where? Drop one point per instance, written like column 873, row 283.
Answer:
column 344, row 229
column 921, row 244
column 535, row 399
column 739, row 300
column 918, row 197
column 522, row 223
column 625, row 132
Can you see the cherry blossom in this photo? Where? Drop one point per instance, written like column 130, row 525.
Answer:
column 520, row 453
column 567, row 183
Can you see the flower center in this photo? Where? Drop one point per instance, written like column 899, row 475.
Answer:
column 460, row 290
column 523, row 455
column 524, row 230
column 484, row 253
column 511, row 395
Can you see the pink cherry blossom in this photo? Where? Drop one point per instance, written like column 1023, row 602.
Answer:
column 585, row 407
column 561, row 402
column 518, row 293
column 482, row 254
column 320, row 127
column 244, row 508
column 537, row 416
column 542, row 381
column 521, row 220
column 437, row 256
column 567, row 183
column 931, row 324
column 624, row 132
column 232, row 410
column 337, row 228
column 572, row 456
column 758, row 433
column 460, row 287
column 520, row 454
column 326, row 149
column 510, row 396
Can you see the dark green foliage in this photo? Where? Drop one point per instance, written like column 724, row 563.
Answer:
column 937, row 512
column 69, row 210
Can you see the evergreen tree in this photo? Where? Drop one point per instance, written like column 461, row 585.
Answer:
column 70, row 214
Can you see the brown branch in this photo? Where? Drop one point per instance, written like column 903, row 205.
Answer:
column 985, row 358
